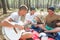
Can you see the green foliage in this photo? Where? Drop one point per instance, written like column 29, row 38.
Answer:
column 57, row 10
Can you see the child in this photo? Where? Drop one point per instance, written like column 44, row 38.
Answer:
column 37, row 24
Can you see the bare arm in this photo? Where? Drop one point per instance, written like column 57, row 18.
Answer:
column 6, row 22
column 42, row 26
column 54, row 30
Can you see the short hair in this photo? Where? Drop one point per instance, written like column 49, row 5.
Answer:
column 32, row 8
column 23, row 7
column 51, row 8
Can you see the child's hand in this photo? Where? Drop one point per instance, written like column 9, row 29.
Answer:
column 58, row 23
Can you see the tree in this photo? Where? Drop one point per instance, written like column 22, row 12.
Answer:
column 37, row 4
column 14, row 4
column 0, row 4
column 43, row 3
column 55, row 3
column 51, row 2
column 48, row 4
column 4, row 6
column 19, row 3
column 24, row 1
column 29, row 4
column 58, row 1
column 7, row 4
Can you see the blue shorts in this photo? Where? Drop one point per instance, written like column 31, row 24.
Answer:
column 58, row 36
column 38, row 29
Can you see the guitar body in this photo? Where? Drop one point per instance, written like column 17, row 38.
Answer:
column 10, row 33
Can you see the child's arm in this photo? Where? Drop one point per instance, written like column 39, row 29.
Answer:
column 54, row 30
column 42, row 26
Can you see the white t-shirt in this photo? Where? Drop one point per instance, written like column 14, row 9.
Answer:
column 10, row 33
column 15, row 17
column 30, row 17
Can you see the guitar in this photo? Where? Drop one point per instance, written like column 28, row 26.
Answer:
column 12, row 33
